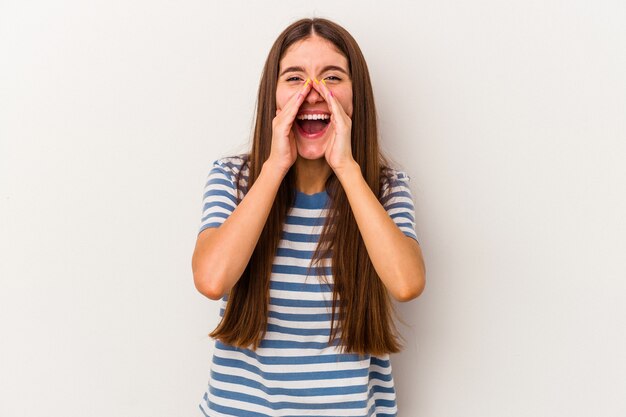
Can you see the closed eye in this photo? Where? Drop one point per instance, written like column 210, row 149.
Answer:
column 330, row 77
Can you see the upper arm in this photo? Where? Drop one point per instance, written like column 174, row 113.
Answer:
column 219, row 198
column 398, row 201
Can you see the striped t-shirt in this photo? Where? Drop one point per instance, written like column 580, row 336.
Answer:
column 295, row 372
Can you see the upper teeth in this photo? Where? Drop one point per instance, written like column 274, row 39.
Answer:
column 313, row 116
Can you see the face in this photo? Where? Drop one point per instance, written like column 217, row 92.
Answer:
column 314, row 57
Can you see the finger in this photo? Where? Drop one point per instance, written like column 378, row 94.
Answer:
column 335, row 106
column 319, row 87
column 293, row 104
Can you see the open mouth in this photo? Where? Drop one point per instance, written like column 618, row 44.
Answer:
column 312, row 125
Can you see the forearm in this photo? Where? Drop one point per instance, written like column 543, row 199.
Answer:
column 396, row 257
column 221, row 257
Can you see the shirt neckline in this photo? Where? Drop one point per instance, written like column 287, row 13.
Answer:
column 311, row 201
column 310, row 195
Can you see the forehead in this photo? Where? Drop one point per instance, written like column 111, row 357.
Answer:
column 312, row 53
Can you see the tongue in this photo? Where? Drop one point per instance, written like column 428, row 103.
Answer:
column 312, row 126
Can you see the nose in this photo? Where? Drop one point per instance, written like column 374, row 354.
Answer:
column 313, row 97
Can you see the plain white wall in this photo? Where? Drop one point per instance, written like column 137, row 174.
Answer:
column 507, row 115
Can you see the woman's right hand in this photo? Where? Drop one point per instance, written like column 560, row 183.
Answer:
column 284, row 152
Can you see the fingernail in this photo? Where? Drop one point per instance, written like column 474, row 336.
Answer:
column 308, row 80
column 331, row 94
column 316, row 82
column 324, row 82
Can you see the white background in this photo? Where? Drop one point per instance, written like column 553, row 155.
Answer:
column 507, row 115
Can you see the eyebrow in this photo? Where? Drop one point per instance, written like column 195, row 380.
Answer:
column 326, row 68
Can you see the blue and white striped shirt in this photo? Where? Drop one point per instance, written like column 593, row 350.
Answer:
column 295, row 372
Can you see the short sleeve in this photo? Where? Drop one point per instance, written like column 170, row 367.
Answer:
column 398, row 201
column 219, row 198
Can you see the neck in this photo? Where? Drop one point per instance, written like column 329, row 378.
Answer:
column 311, row 174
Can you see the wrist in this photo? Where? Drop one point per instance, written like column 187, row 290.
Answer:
column 350, row 170
column 273, row 169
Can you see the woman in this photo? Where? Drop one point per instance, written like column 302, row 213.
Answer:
column 304, row 238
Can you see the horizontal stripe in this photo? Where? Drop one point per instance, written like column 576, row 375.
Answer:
column 209, row 225
column 379, row 376
column 397, row 216
column 307, row 324
column 301, row 278
column 291, row 376
column 300, row 303
column 307, row 363
column 228, row 208
column 216, row 215
column 304, row 392
column 299, row 317
column 307, row 296
column 377, row 389
column 300, row 237
column 305, row 221
column 311, row 213
column 298, row 331
column 289, row 286
column 380, row 362
column 217, row 193
column 300, row 270
column 288, row 344
column 299, row 255
column 277, row 336
column 301, row 310
column 233, row 411
column 289, row 360
column 284, row 404
column 293, row 253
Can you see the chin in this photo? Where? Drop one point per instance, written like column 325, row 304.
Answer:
column 312, row 149
column 310, row 154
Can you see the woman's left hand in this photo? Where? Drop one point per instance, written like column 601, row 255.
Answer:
column 338, row 152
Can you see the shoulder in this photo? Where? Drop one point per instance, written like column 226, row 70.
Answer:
column 393, row 177
column 233, row 164
column 236, row 168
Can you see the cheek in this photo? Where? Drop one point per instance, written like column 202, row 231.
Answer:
column 346, row 103
column 279, row 102
column 281, row 98
column 283, row 95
